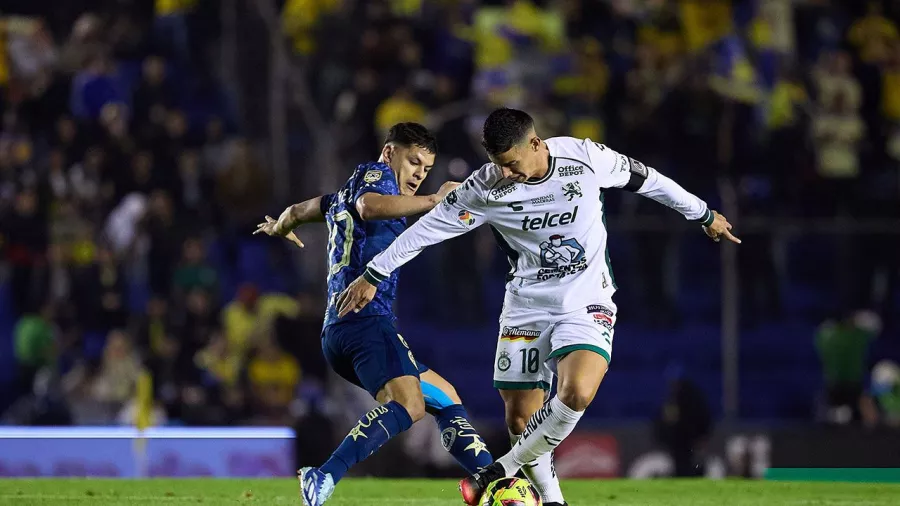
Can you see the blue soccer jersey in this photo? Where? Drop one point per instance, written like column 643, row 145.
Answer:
column 352, row 242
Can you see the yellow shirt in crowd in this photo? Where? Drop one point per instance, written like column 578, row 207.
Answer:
column 240, row 323
column 275, row 379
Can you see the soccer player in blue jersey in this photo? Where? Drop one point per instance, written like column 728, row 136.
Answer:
column 363, row 218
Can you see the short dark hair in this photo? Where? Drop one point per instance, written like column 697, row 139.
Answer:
column 504, row 128
column 412, row 134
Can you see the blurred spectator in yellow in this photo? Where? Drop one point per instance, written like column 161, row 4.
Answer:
column 398, row 108
column 786, row 101
column 705, row 22
column 890, row 85
column 220, row 363
column 299, row 18
column 250, row 312
column 273, row 376
column 662, row 30
column 873, row 34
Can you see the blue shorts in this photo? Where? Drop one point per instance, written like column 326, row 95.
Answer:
column 369, row 352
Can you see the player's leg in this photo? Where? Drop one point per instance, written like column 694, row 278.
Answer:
column 458, row 435
column 368, row 353
column 519, row 406
column 580, row 344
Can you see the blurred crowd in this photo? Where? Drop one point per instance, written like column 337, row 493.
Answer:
column 117, row 176
column 127, row 185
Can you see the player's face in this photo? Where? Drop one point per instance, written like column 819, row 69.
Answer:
column 411, row 165
column 523, row 161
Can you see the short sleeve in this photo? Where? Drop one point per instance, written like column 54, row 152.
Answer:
column 376, row 179
column 326, row 202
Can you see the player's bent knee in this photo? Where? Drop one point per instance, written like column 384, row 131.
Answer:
column 575, row 398
column 407, row 392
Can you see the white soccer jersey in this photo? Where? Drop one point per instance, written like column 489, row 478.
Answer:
column 552, row 230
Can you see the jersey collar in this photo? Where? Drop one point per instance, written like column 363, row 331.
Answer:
column 551, row 161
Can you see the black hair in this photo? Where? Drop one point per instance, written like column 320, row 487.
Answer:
column 504, row 128
column 412, row 134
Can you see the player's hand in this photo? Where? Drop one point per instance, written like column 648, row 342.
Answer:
column 720, row 228
column 279, row 228
column 355, row 297
column 446, row 188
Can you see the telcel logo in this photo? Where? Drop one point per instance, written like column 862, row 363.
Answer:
column 549, row 220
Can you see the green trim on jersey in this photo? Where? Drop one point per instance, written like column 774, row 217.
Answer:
column 521, row 385
column 565, row 350
column 612, row 276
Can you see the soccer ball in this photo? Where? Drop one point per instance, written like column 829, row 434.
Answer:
column 510, row 492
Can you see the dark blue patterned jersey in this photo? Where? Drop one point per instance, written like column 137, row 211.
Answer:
column 352, row 242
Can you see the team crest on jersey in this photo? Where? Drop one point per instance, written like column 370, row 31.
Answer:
column 561, row 257
column 466, row 218
column 570, row 170
column 372, row 176
column 572, row 190
column 504, row 362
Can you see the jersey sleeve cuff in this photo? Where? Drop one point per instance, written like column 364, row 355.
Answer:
column 707, row 218
column 373, row 277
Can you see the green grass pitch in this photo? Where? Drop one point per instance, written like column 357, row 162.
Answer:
column 377, row 492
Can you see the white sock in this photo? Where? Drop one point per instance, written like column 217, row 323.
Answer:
column 546, row 429
column 542, row 475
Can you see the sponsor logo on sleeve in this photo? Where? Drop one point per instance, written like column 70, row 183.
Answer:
column 466, row 218
column 372, row 176
column 451, row 199
column 602, row 315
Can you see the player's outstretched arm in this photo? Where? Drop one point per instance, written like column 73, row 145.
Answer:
column 309, row 211
column 462, row 210
column 619, row 171
column 375, row 206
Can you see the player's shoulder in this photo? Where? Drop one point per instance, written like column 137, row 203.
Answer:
column 572, row 153
column 482, row 180
column 372, row 172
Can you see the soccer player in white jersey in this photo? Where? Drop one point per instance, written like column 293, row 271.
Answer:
column 544, row 203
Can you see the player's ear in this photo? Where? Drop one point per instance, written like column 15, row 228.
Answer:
column 386, row 153
column 535, row 143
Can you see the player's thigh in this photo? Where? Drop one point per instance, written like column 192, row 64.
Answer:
column 581, row 347
column 520, row 405
column 377, row 352
column 523, row 346
column 438, row 392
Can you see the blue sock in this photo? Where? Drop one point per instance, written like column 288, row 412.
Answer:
column 373, row 430
column 461, row 439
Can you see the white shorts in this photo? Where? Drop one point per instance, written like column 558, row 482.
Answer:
column 532, row 341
